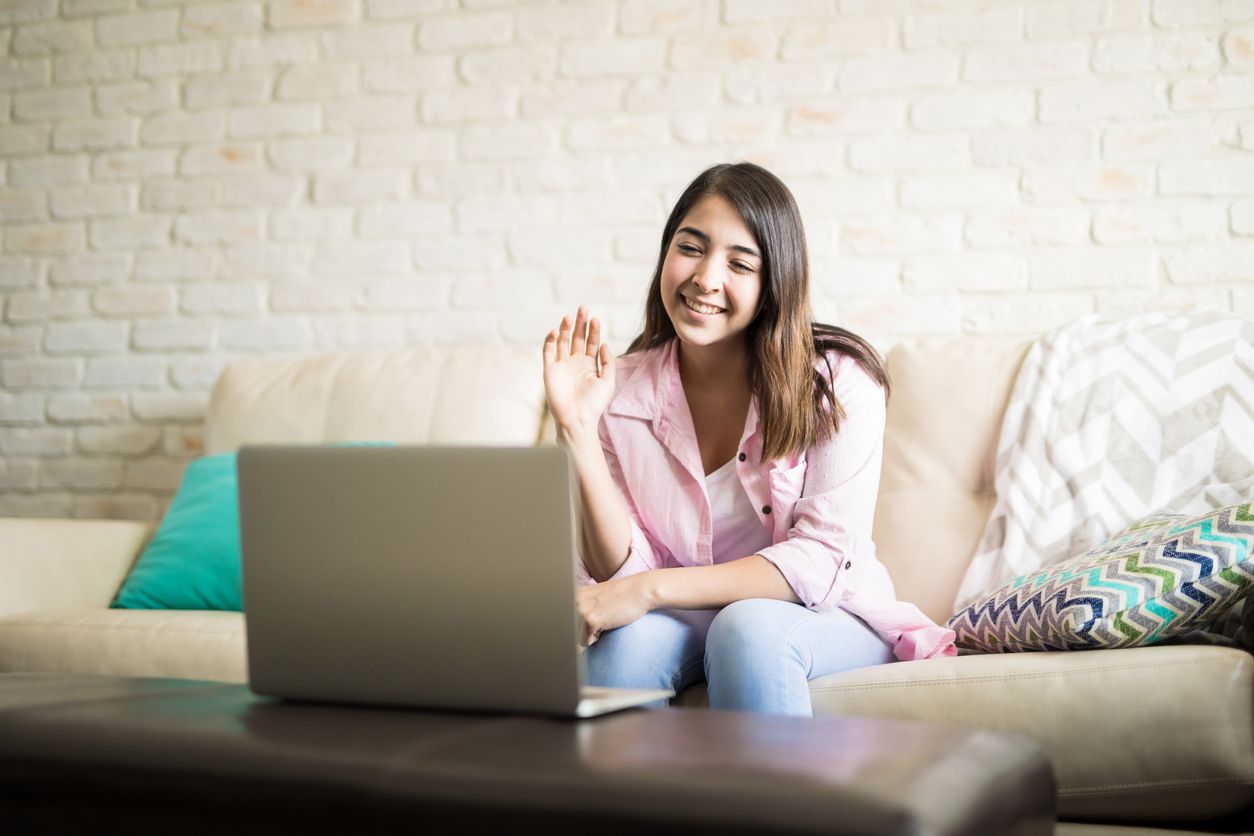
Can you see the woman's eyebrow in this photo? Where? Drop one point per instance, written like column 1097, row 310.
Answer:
column 692, row 230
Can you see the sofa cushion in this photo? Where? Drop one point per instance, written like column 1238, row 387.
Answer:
column 936, row 484
column 183, row 644
column 65, row 563
column 1159, row 578
column 461, row 395
column 1143, row 734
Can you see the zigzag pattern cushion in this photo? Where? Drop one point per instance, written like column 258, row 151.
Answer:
column 1161, row 577
column 1108, row 420
column 1139, row 532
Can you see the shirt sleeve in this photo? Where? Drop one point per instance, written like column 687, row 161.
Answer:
column 643, row 553
column 831, row 531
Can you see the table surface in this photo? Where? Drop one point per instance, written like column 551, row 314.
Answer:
column 227, row 752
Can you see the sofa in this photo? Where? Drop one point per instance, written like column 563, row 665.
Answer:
column 1141, row 738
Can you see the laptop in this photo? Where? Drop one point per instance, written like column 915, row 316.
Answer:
column 427, row 577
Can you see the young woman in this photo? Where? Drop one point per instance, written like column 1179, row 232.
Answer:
column 727, row 468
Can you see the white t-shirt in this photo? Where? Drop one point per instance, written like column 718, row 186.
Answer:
column 737, row 530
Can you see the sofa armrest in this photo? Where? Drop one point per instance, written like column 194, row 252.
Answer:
column 65, row 563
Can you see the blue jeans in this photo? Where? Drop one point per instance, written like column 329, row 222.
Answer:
column 755, row 655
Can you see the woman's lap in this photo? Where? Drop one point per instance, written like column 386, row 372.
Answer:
column 756, row 654
column 663, row 649
column 761, row 653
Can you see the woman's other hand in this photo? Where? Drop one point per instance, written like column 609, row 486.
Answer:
column 578, row 375
column 611, row 604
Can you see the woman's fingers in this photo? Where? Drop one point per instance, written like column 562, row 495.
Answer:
column 550, row 347
column 590, row 634
column 579, row 339
column 582, row 335
column 594, row 337
column 583, row 607
column 607, row 362
column 563, row 339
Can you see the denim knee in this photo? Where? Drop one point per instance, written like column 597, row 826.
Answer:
column 643, row 654
column 742, row 630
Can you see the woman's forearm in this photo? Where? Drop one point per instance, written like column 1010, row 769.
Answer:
column 710, row 587
column 604, row 527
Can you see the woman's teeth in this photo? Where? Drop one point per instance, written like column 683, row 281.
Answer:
column 700, row 308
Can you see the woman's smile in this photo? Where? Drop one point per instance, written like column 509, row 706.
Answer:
column 702, row 308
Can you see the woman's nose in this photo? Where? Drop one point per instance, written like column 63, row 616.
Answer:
column 706, row 278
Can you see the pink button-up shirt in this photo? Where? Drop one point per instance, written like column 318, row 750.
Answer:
column 818, row 506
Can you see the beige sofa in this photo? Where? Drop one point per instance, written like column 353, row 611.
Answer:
column 1157, row 735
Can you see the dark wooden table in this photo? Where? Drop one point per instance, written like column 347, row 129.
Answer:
column 102, row 754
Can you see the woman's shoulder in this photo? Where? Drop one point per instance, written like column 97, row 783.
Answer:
column 642, row 360
column 846, row 359
column 634, row 360
column 636, row 375
column 844, row 371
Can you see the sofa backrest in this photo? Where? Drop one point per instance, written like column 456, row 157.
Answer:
column 940, row 447
column 479, row 395
column 936, row 488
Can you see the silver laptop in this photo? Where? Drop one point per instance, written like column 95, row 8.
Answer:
column 431, row 577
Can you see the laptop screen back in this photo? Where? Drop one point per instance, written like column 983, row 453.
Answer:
column 423, row 576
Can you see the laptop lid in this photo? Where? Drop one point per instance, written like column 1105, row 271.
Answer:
column 437, row 577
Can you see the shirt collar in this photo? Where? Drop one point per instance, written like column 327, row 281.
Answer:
column 652, row 385
column 655, row 389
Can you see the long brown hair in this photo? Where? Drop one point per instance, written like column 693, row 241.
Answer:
column 796, row 403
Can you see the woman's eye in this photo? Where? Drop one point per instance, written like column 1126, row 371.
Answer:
column 741, row 267
column 688, row 249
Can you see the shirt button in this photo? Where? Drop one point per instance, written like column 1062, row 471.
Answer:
column 848, row 563
column 766, row 509
column 741, row 457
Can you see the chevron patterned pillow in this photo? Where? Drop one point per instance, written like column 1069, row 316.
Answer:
column 1139, row 532
column 1162, row 576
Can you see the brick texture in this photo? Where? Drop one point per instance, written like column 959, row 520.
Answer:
column 182, row 183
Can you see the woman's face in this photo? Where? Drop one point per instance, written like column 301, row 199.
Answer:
column 712, row 274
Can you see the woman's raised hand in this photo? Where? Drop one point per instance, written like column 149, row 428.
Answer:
column 578, row 375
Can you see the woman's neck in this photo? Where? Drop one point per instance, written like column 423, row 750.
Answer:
column 714, row 367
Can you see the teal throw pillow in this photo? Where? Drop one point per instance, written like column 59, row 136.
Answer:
column 192, row 562
column 1161, row 577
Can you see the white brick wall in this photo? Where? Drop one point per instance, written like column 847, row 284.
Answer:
column 183, row 182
